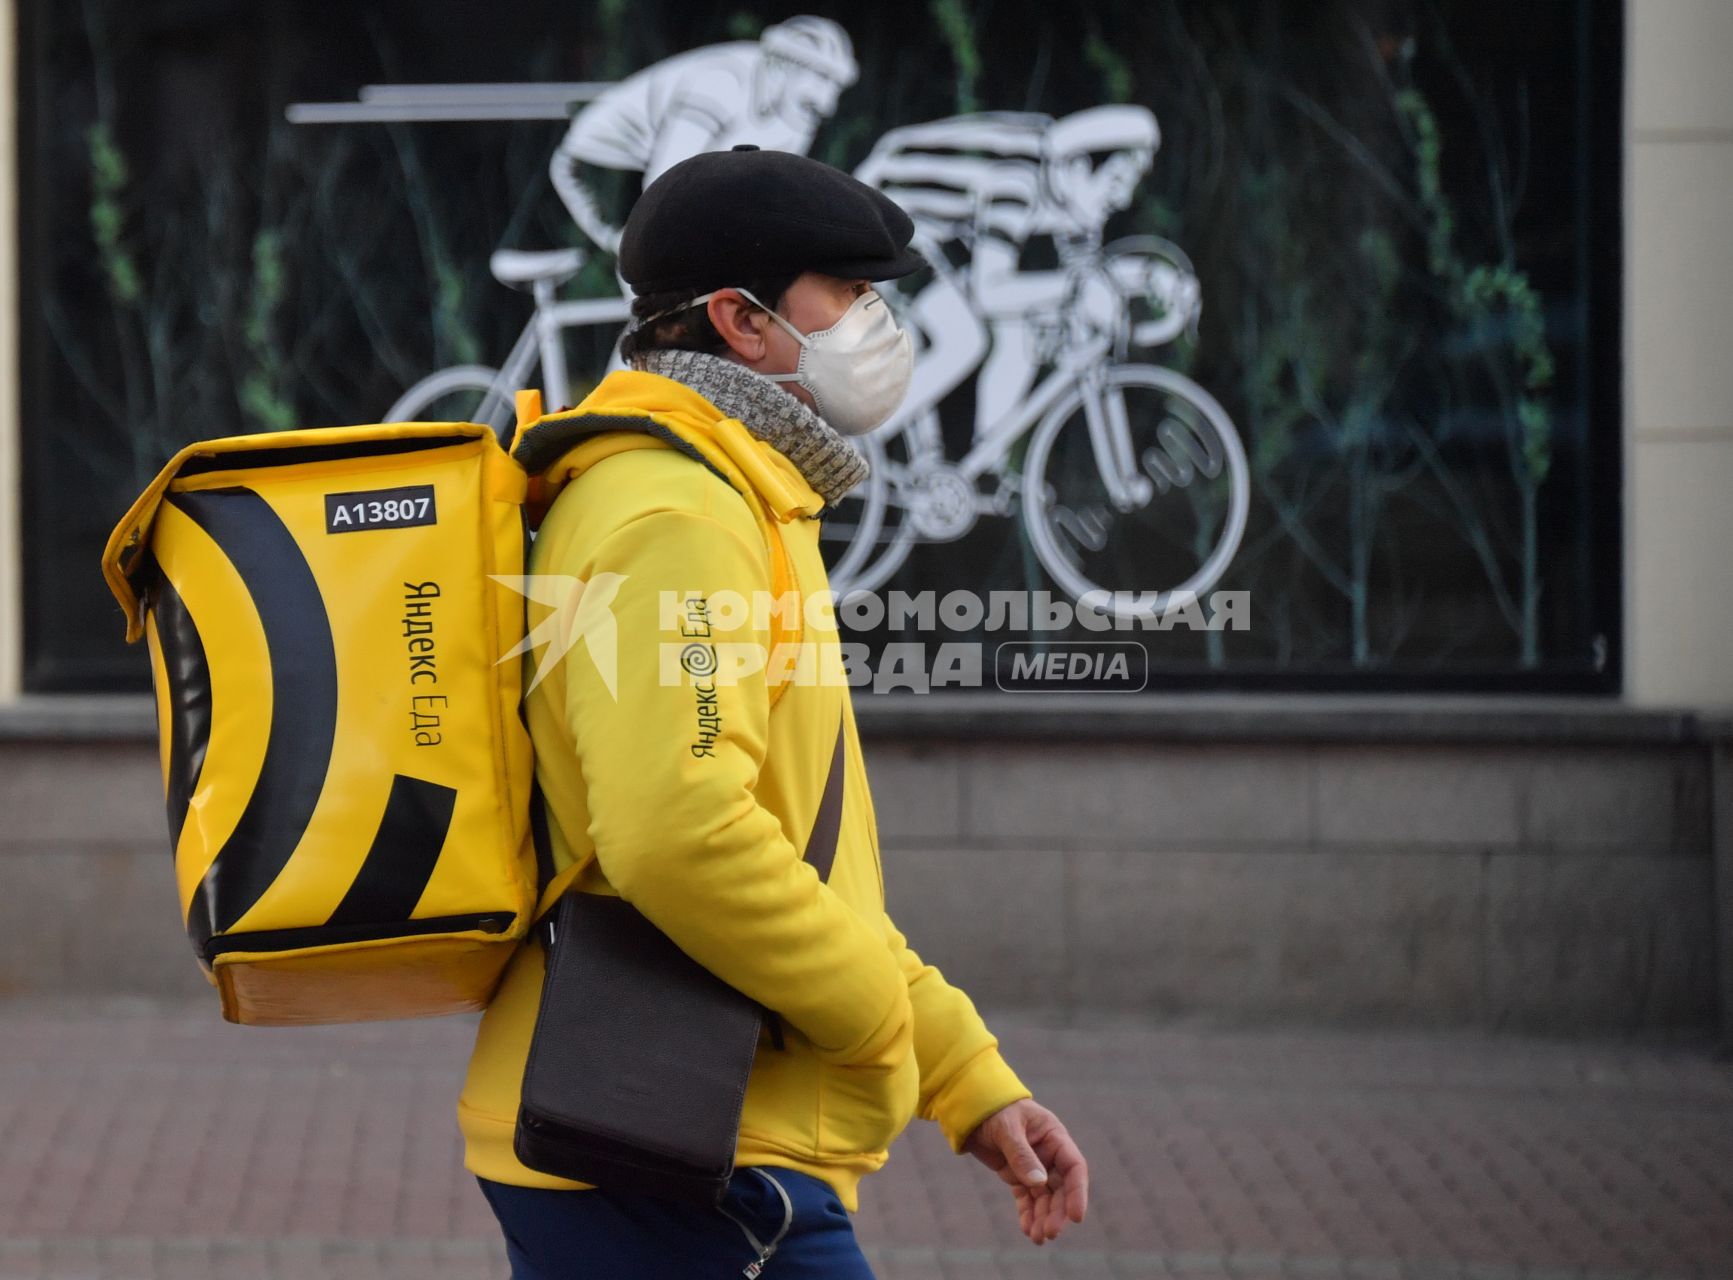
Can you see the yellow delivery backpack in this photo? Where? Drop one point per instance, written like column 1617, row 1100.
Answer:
column 347, row 772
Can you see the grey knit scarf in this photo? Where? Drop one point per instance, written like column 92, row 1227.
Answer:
column 830, row 464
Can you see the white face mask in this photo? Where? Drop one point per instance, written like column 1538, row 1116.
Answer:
column 857, row 370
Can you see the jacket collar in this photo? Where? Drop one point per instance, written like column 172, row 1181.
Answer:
column 658, row 411
column 827, row 461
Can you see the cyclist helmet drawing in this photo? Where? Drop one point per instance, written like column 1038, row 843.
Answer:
column 997, row 185
column 773, row 92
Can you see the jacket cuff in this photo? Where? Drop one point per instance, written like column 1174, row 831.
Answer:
column 981, row 1088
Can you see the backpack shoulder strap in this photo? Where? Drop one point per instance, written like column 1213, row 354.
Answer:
column 540, row 444
column 820, row 849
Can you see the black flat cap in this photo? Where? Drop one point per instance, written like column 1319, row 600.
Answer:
column 722, row 217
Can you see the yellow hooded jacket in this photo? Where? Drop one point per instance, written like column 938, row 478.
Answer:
column 696, row 811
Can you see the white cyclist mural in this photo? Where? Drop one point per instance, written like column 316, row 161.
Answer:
column 1128, row 478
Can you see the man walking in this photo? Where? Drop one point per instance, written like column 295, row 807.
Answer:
column 759, row 345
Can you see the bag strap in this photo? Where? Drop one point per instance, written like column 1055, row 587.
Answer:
column 820, row 842
column 538, row 444
column 820, row 847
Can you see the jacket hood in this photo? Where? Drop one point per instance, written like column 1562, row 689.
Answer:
column 635, row 409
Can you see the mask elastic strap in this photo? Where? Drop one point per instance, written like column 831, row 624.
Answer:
column 794, row 333
column 684, row 306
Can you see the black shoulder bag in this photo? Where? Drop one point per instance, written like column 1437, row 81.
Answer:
column 638, row 1062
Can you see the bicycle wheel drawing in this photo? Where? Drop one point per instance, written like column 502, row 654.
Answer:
column 1180, row 531
column 867, row 534
column 462, row 393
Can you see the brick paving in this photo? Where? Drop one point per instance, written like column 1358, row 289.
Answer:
column 147, row 1140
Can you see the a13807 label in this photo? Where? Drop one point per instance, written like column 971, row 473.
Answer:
column 380, row 509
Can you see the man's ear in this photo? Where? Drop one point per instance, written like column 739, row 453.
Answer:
column 740, row 323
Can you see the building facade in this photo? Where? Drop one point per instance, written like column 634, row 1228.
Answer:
column 1532, row 837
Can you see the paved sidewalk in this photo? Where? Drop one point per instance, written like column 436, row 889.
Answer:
column 158, row 1141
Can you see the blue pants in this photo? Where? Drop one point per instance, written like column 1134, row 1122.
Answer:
column 606, row 1235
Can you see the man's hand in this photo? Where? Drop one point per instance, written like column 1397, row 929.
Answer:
column 1032, row 1153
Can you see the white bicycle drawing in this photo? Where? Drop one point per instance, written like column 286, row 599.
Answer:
column 1134, row 482
column 1133, row 471
column 477, row 393
column 772, row 92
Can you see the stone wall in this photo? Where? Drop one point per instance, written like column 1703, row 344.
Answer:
column 1678, row 286
column 1543, row 887
column 1304, row 860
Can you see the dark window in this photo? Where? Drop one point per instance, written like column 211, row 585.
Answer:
column 1346, row 340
